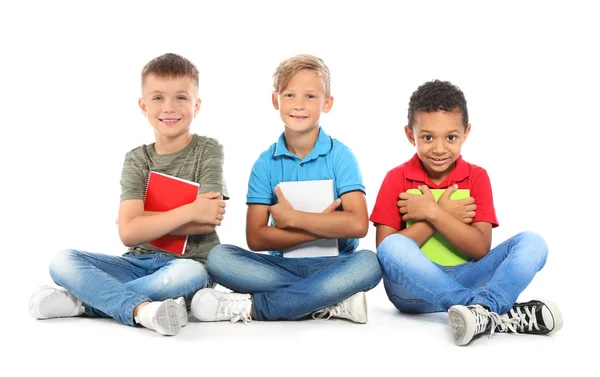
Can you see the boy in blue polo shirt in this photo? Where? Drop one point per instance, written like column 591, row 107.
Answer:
column 273, row 287
column 480, row 293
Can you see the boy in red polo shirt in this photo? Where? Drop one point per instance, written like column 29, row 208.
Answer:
column 480, row 293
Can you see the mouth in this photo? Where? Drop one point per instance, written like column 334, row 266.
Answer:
column 438, row 161
column 169, row 121
column 298, row 117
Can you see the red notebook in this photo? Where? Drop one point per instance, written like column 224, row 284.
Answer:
column 164, row 193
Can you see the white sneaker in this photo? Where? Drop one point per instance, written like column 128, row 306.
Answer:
column 164, row 317
column 468, row 321
column 47, row 302
column 353, row 308
column 183, row 314
column 209, row 305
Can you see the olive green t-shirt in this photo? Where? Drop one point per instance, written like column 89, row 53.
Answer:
column 200, row 161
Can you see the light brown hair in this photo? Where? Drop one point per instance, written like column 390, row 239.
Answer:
column 289, row 67
column 170, row 65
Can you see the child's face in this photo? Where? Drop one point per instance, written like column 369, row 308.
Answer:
column 170, row 104
column 438, row 137
column 301, row 103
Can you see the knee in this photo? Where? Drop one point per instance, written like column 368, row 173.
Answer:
column 397, row 247
column 61, row 266
column 218, row 257
column 534, row 244
column 369, row 264
column 185, row 272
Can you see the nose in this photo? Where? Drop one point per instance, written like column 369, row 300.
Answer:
column 438, row 146
column 168, row 106
column 299, row 104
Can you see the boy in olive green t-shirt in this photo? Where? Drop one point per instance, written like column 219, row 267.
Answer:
column 147, row 285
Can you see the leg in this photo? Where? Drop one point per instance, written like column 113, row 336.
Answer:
column 326, row 281
column 498, row 278
column 414, row 283
column 97, row 280
column 247, row 272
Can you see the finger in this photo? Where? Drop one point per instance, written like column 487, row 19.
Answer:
column 446, row 194
column 222, row 203
column 467, row 220
column 401, row 203
column 424, row 189
column 332, row 207
column 403, row 195
column 280, row 197
column 403, row 210
column 471, row 207
column 210, row 195
column 470, row 214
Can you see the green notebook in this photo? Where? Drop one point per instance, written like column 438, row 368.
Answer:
column 437, row 248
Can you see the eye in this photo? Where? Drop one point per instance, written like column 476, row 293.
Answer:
column 311, row 96
column 288, row 95
column 157, row 98
column 428, row 138
column 182, row 98
column 452, row 137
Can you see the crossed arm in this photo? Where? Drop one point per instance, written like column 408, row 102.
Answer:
column 137, row 226
column 449, row 217
column 294, row 227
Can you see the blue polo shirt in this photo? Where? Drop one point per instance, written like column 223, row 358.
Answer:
column 329, row 159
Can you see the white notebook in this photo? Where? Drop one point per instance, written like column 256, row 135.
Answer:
column 310, row 196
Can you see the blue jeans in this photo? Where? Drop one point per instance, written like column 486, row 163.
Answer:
column 112, row 286
column 414, row 284
column 292, row 288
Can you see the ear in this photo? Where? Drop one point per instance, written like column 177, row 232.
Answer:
column 467, row 131
column 197, row 106
column 409, row 135
column 142, row 106
column 328, row 104
column 275, row 99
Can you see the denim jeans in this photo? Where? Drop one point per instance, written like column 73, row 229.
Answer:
column 112, row 286
column 414, row 284
column 292, row 288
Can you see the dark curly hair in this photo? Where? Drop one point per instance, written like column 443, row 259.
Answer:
column 437, row 95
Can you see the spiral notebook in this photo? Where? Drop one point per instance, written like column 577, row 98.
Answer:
column 164, row 193
column 310, row 196
column 437, row 248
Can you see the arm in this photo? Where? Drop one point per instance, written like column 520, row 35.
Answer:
column 420, row 232
column 136, row 227
column 262, row 237
column 474, row 240
column 352, row 222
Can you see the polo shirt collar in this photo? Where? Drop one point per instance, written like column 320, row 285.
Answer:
column 322, row 146
column 416, row 172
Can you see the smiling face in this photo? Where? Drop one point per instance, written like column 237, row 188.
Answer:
column 438, row 136
column 302, row 101
column 170, row 104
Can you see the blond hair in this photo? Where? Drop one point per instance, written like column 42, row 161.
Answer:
column 289, row 67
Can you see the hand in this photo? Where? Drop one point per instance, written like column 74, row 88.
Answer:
column 463, row 209
column 333, row 206
column 282, row 212
column 416, row 207
column 208, row 208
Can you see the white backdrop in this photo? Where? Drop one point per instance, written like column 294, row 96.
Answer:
column 70, row 84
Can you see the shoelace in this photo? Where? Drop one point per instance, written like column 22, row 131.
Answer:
column 234, row 308
column 483, row 317
column 519, row 320
column 331, row 311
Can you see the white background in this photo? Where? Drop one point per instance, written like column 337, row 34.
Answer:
column 69, row 89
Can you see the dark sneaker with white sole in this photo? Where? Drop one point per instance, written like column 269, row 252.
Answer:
column 538, row 317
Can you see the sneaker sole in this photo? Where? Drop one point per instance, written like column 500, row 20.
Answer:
column 168, row 320
column 462, row 329
column 182, row 311
column 556, row 315
column 362, row 318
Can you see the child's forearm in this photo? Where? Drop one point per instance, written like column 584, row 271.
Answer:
column 420, row 232
column 267, row 238
column 188, row 229
column 340, row 224
column 468, row 239
column 143, row 229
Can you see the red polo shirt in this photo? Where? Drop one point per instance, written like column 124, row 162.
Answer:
column 411, row 175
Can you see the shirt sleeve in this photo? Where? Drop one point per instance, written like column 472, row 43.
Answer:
column 211, row 177
column 348, row 177
column 259, row 184
column 385, row 211
column 133, row 178
column 481, row 191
